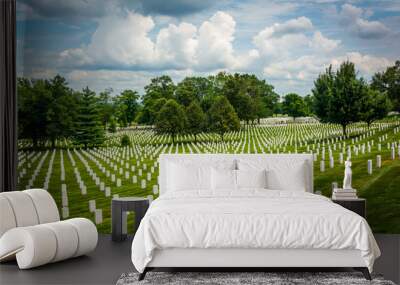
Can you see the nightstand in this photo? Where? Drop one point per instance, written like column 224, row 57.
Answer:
column 120, row 205
column 358, row 206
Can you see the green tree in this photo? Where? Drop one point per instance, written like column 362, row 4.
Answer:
column 309, row 105
column 112, row 126
column 106, row 107
column 196, row 119
column 192, row 88
column 322, row 93
column 33, row 102
column 339, row 95
column 88, row 130
column 159, row 88
column 223, row 117
column 375, row 106
column 251, row 97
column 61, row 111
column 293, row 105
column 171, row 119
column 389, row 82
column 125, row 141
column 128, row 105
column 246, row 107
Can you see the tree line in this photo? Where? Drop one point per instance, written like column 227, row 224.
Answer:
column 49, row 110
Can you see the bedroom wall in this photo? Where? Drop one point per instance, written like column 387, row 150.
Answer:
column 106, row 86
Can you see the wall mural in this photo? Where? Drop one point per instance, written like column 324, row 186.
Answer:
column 105, row 87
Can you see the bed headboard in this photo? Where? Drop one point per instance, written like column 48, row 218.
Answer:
column 164, row 159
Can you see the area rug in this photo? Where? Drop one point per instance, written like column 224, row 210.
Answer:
column 243, row 278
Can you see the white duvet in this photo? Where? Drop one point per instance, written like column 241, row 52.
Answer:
column 250, row 219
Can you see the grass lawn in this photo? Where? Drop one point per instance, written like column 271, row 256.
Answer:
column 381, row 188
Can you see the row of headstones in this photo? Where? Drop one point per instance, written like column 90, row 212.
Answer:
column 369, row 161
column 49, row 171
column 356, row 148
column 118, row 181
column 62, row 168
column 363, row 136
column 121, row 172
column 96, row 179
column 37, row 171
column 31, row 158
column 127, row 165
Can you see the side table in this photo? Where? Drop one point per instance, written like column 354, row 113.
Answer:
column 138, row 205
column 358, row 205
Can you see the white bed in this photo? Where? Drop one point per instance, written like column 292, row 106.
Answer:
column 249, row 227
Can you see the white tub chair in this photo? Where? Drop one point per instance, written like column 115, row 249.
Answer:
column 31, row 231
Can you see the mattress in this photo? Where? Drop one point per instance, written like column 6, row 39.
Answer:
column 250, row 219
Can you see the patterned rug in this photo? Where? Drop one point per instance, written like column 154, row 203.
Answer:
column 243, row 278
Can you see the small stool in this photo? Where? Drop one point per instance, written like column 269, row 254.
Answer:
column 138, row 205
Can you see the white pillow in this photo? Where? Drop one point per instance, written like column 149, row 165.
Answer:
column 282, row 174
column 292, row 179
column 223, row 179
column 251, row 178
column 183, row 177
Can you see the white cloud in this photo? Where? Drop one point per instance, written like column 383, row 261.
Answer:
column 319, row 42
column 290, row 54
column 124, row 42
column 177, row 44
column 118, row 42
column 215, row 48
column 371, row 29
column 285, row 41
column 354, row 18
column 366, row 64
column 293, row 26
column 303, row 68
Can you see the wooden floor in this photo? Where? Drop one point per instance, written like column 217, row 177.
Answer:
column 110, row 260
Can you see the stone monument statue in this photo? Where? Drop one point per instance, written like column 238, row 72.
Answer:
column 347, row 175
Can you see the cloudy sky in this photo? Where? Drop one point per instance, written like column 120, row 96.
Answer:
column 122, row 44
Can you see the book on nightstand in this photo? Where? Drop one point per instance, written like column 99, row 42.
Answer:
column 344, row 194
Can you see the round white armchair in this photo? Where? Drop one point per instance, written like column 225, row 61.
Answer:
column 31, row 230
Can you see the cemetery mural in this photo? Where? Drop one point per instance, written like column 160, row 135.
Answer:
column 102, row 94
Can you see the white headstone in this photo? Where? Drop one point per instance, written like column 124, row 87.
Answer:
column 369, row 166
column 92, row 205
column 118, row 182
column 65, row 212
column 155, row 189
column 143, row 184
column 83, row 190
column 108, row 191
column 378, row 161
column 98, row 216
column 322, row 165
